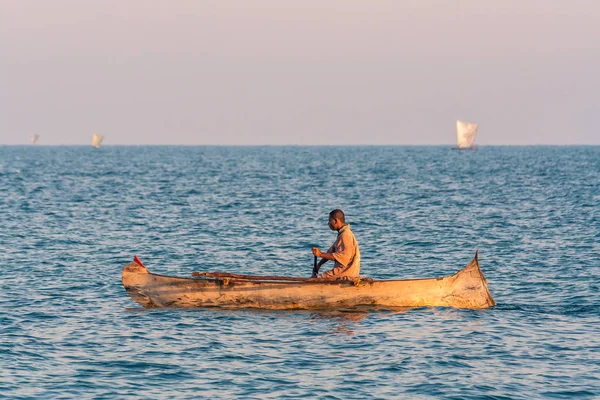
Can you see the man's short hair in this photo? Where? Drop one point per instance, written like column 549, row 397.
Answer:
column 338, row 214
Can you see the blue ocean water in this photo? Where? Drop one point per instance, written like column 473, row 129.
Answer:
column 72, row 217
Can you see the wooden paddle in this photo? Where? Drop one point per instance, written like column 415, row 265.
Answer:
column 315, row 270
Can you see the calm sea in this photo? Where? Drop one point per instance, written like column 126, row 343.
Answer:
column 72, row 217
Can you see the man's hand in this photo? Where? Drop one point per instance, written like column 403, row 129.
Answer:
column 316, row 252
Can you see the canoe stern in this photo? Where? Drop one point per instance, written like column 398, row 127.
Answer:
column 470, row 288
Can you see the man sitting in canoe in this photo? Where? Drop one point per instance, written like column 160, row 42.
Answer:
column 344, row 252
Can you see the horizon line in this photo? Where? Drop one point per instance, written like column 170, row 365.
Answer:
column 297, row 145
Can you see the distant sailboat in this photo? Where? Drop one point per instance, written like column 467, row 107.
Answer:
column 34, row 139
column 97, row 140
column 465, row 135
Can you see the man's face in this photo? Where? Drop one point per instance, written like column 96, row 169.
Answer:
column 333, row 223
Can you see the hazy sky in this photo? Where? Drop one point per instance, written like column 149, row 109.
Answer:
column 299, row 71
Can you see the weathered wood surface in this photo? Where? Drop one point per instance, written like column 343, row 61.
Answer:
column 465, row 289
column 253, row 277
column 269, row 278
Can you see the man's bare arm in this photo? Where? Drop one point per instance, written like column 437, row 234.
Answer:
column 324, row 256
column 324, row 259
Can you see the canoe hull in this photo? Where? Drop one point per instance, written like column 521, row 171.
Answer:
column 465, row 289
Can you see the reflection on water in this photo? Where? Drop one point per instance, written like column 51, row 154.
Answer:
column 342, row 320
column 342, row 315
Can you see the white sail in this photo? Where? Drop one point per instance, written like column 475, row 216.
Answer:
column 465, row 134
column 34, row 139
column 97, row 140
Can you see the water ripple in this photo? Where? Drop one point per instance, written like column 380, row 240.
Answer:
column 71, row 218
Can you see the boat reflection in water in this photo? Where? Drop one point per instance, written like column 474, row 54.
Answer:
column 342, row 315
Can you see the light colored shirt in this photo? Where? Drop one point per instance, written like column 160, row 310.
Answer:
column 346, row 254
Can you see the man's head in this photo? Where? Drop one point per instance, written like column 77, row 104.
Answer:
column 337, row 219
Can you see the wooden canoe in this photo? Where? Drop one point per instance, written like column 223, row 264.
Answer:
column 465, row 289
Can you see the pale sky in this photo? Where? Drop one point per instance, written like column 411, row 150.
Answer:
column 299, row 71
